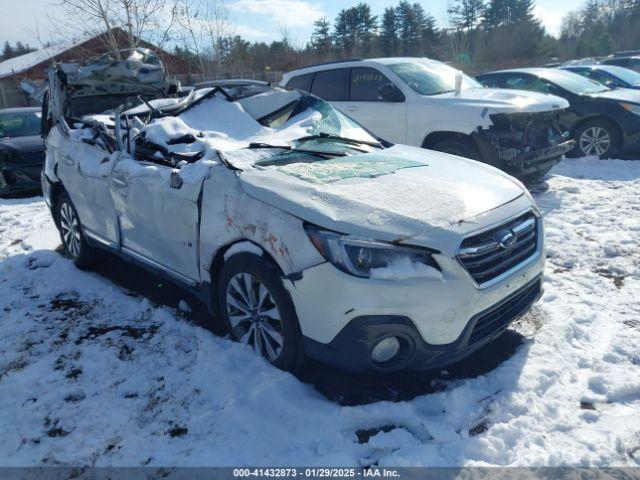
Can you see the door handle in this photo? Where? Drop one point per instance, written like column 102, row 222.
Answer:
column 69, row 161
column 352, row 109
column 119, row 182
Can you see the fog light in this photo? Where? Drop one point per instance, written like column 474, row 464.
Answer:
column 385, row 349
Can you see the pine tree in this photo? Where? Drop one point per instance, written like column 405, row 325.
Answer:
column 389, row 32
column 7, row 51
column 407, row 29
column 321, row 40
column 466, row 14
column 367, row 26
column 426, row 30
column 345, row 28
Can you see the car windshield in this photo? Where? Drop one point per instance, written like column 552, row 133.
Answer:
column 19, row 124
column 573, row 82
column 431, row 78
column 630, row 76
column 333, row 133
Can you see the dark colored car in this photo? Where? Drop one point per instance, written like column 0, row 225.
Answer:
column 632, row 62
column 603, row 121
column 21, row 150
column 609, row 75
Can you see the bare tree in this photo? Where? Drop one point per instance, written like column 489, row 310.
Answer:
column 205, row 25
column 150, row 20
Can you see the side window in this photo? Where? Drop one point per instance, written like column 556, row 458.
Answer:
column 539, row 85
column 622, row 62
column 516, row 82
column 330, row 85
column 492, row 81
column 301, row 82
column 604, row 78
column 366, row 83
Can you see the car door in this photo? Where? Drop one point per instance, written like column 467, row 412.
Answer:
column 371, row 105
column 85, row 170
column 159, row 216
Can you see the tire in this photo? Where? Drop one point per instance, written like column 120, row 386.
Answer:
column 462, row 147
column 608, row 133
column 270, row 325
column 71, row 234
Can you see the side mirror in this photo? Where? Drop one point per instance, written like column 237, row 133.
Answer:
column 390, row 93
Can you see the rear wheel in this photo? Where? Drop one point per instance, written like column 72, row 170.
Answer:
column 597, row 137
column 71, row 234
column 258, row 310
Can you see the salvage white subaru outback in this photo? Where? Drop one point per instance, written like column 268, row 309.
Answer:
column 308, row 235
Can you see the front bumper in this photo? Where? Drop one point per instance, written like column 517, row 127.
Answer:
column 523, row 157
column 519, row 157
column 351, row 349
column 341, row 315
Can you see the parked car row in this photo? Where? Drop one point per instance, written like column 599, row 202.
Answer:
column 603, row 121
column 578, row 110
column 417, row 102
column 428, row 104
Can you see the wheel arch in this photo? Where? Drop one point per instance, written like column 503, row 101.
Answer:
column 433, row 138
column 217, row 261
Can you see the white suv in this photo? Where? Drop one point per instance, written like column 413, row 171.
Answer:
column 305, row 233
column 415, row 101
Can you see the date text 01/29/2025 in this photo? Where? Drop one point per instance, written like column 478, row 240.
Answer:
column 373, row 472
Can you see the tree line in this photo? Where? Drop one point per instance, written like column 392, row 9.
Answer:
column 479, row 35
column 11, row 51
column 601, row 27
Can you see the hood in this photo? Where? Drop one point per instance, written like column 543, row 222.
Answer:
column 619, row 94
column 506, row 101
column 28, row 144
column 398, row 194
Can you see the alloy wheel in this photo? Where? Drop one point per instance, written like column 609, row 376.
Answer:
column 254, row 315
column 70, row 228
column 595, row 141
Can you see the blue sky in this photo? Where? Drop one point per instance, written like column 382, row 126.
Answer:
column 259, row 19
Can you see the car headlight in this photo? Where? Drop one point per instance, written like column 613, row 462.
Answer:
column 631, row 107
column 359, row 257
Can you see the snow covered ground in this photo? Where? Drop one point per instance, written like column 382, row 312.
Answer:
column 92, row 373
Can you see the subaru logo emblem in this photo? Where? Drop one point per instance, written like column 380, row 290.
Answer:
column 507, row 241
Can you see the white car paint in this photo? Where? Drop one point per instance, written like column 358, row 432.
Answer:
column 413, row 120
column 402, row 194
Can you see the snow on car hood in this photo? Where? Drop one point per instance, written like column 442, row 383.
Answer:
column 506, row 101
column 406, row 196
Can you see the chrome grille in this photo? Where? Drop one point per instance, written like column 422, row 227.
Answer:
column 494, row 252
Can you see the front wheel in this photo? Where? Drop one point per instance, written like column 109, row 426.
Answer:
column 258, row 310
column 597, row 137
column 71, row 234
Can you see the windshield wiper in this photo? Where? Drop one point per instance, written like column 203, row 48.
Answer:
column 288, row 148
column 330, row 136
